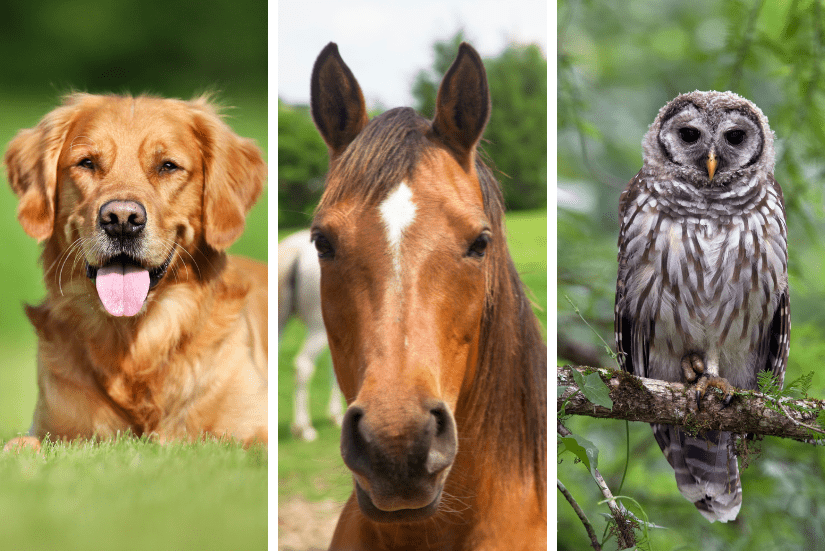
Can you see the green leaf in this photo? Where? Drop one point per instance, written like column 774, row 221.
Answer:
column 584, row 449
column 767, row 384
column 798, row 388
column 593, row 388
column 560, row 390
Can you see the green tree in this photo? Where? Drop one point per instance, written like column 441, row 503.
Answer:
column 302, row 163
column 167, row 48
column 516, row 137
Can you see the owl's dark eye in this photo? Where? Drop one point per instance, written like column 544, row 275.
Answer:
column 323, row 247
column 688, row 134
column 735, row 137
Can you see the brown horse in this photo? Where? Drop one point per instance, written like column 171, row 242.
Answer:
column 434, row 343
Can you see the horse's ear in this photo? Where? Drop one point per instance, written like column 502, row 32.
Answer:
column 338, row 106
column 462, row 108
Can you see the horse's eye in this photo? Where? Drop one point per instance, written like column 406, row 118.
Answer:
column 323, row 246
column 479, row 247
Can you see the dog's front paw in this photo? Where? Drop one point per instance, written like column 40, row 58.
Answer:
column 16, row 445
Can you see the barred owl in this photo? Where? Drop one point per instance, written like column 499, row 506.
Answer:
column 702, row 289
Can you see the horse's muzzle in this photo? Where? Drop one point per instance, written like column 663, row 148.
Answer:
column 399, row 459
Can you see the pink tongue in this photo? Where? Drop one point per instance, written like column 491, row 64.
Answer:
column 122, row 289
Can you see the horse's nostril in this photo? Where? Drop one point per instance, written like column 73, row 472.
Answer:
column 353, row 443
column 440, row 420
column 444, row 444
column 426, row 446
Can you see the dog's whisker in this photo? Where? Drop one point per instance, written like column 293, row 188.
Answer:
column 68, row 250
column 72, row 250
column 180, row 248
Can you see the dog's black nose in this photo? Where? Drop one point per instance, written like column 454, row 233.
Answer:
column 122, row 218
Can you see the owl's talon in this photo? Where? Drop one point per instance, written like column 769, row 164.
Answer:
column 707, row 381
column 693, row 367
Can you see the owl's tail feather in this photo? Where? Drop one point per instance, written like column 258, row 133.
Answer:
column 707, row 473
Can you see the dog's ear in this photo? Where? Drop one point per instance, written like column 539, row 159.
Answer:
column 234, row 174
column 31, row 167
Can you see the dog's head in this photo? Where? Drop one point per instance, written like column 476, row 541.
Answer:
column 123, row 188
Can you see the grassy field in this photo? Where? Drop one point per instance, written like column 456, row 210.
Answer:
column 129, row 494
column 133, row 494
column 315, row 470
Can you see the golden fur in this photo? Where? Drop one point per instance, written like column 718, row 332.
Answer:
column 192, row 361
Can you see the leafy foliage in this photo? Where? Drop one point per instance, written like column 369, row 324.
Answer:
column 516, row 136
column 136, row 45
column 583, row 449
column 302, row 163
column 796, row 389
column 593, row 388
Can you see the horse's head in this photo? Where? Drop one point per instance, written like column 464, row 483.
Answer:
column 404, row 244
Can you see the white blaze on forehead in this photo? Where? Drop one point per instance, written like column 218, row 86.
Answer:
column 397, row 213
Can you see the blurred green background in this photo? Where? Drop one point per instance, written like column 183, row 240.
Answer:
column 618, row 63
column 164, row 48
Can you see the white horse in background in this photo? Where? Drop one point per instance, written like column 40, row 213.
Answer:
column 299, row 293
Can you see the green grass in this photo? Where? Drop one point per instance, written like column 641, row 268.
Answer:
column 134, row 494
column 315, row 469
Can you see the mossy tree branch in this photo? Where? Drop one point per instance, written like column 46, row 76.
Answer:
column 654, row 401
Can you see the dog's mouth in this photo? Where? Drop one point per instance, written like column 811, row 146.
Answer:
column 123, row 283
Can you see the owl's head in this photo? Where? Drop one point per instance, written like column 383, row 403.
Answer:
column 710, row 139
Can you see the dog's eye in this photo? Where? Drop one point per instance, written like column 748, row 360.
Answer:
column 168, row 166
column 86, row 163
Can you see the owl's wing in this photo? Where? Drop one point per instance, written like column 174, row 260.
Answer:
column 776, row 343
column 633, row 359
column 632, row 340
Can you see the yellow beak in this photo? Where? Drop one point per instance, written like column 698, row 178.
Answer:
column 711, row 163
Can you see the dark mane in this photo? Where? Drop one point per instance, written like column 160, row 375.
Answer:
column 512, row 367
column 506, row 409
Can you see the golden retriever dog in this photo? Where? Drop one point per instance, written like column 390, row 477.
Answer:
column 148, row 325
